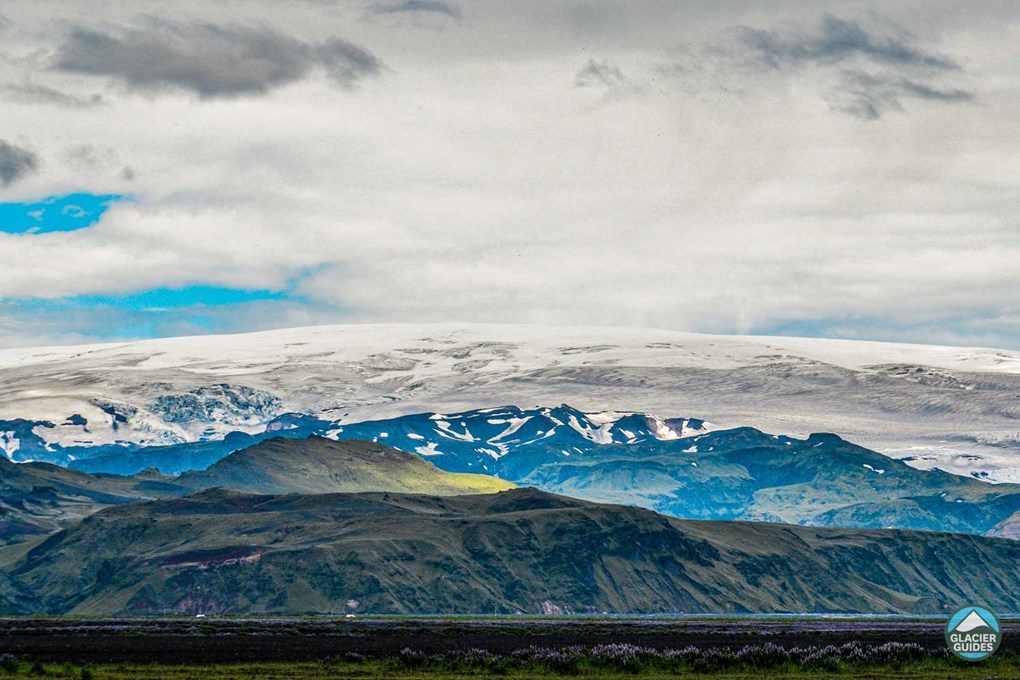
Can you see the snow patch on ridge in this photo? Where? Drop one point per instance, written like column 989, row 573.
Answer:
column 515, row 424
column 600, row 435
column 428, row 450
column 445, row 429
column 605, row 417
column 678, row 428
column 9, row 444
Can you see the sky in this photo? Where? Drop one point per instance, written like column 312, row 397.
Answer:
column 832, row 169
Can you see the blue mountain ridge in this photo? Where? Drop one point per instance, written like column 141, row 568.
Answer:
column 676, row 466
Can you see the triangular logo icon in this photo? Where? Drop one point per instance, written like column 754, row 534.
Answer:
column 971, row 622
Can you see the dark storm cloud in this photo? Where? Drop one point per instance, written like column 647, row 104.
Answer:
column 15, row 163
column 867, row 96
column 344, row 61
column 863, row 71
column 414, row 6
column 208, row 59
column 837, row 40
column 600, row 74
column 30, row 93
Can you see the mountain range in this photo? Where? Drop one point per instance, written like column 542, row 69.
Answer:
column 361, row 527
column 948, row 407
column 39, row 498
column 518, row 551
column 685, row 468
column 349, row 469
column 680, row 467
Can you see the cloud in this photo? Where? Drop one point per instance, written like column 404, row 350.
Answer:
column 867, row 96
column 415, row 7
column 15, row 163
column 600, row 74
column 31, row 93
column 208, row 59
column 483, row 180
column 838, row 40
column 346, row 62
column 607, row 78
column 861, row 72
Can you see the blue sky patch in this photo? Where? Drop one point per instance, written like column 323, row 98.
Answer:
column 69, row 212
column 159, row 299
column 156, row 312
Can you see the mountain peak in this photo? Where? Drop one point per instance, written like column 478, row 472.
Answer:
column 319, row 465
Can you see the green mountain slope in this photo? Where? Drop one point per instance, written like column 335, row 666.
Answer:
column 39, row 498
column 318, row 465
column 517, row 551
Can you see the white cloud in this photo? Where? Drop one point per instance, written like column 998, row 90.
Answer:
column 473, row 180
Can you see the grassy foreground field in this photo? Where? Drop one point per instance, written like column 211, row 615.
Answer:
column 444, row 647
column 998, row 669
